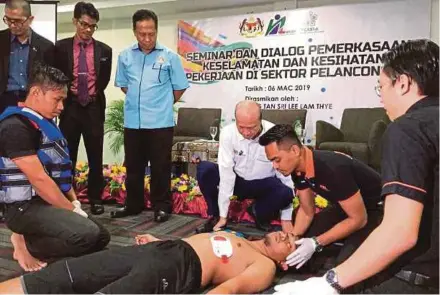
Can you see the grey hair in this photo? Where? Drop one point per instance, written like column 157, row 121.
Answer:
column 17, row 4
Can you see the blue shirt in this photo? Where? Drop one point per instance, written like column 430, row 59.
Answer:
column 18, row 62
column 150, row 80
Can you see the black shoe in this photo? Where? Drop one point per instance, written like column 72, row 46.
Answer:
column 97, row 209
column 123, row 212
column 265, row 226
column 161, row 216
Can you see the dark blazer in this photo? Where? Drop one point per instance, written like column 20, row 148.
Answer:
column 103, row 67
column 41, row 50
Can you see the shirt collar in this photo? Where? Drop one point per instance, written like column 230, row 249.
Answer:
column 423, row 103
column 310, row 163
column 158, row 46
column 15, row 38
column 77, row 40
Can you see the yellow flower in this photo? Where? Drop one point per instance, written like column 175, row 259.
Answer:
column 123, row 187
column 233, row 198
column 182, row 188
column 295, row 202
column 114, row 169
column 123, row 169
column 80, row 165
column 185, row 177
column 321, row 202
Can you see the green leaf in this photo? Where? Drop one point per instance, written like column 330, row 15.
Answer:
column 114, row 125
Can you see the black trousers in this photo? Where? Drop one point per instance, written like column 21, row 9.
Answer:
column 163, row 267
column 143, row 146
column 11, row 98
column 87, row 121
column 52, row 232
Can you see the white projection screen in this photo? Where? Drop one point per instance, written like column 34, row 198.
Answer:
column 45, row 18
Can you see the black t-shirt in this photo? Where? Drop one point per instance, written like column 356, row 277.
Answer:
column 337, row 177
column 18, row 137
column 410, row 164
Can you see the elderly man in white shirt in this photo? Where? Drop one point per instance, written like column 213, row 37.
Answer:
column 244, row 170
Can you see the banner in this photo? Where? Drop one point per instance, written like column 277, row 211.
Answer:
column 322, row 59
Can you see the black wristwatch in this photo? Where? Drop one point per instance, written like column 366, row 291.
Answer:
column 319, row 247
column 332, row 279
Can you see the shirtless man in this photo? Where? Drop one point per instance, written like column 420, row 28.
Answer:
column 235, row 265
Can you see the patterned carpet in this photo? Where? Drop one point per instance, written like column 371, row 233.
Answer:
column 124, row 230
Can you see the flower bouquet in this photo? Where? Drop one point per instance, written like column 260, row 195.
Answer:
column 187, row 198
column 80, row 179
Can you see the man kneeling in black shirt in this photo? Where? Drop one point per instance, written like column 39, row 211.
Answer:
column 42, row 210
column 351, row 186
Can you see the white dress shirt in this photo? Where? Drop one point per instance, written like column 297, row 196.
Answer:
column 247, row 159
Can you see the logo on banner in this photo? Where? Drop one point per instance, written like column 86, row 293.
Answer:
column 276, row 26
column 251, row 27
column 310, row 24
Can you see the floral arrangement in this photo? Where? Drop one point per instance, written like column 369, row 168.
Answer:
column 186, row 194
column 186, row 184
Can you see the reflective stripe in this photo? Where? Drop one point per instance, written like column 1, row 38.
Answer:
column 53, row 154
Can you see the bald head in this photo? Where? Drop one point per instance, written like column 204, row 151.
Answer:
column 248, row 110
column 248, row 118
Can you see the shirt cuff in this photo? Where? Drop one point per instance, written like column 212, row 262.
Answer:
column 223, row 206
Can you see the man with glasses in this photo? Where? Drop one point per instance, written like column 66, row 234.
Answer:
column 402, row 254
column 244, row 170
column 352, row 187
column 87, row 62
column 21, row 47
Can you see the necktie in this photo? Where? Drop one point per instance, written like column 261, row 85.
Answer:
column 83, row 89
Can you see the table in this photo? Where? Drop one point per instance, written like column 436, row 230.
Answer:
column 189, row 153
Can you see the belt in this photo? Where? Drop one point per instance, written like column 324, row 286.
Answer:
column 417, row 279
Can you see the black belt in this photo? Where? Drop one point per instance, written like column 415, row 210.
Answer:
column 417, row 279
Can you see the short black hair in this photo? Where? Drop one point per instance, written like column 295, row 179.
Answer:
column 83, row 8
column 144, row 14
column 47, row 78
column 283, row 134
column 23, row 4
column 419, row 60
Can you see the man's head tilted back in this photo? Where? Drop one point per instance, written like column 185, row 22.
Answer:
column 409, row 73
column 47, row 90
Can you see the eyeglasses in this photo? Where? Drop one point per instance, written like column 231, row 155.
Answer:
column 85, row 25
column 17, row 22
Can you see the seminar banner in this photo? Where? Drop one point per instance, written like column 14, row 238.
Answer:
column 322, row 59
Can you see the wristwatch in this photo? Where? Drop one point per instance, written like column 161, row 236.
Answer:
column 319, row 247
column 332, row 279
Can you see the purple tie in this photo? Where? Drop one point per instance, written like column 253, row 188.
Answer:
column 83, row 89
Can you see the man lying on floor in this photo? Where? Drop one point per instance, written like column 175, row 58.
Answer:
column 234, row 264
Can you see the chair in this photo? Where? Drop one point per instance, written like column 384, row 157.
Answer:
column 285, row 116
column 360, row 134
column 194, row 123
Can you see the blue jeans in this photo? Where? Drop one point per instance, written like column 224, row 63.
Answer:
column 52, row 232
column 270, row 194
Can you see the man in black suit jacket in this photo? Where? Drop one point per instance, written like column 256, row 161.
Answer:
column 88, row 63
column 21, row 47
